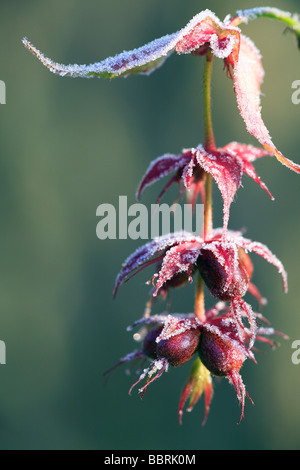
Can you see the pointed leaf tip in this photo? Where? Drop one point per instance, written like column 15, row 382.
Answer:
column 248, row 78
column 142, row 60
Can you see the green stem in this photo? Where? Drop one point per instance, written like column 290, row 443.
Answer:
column 209, row 144
column 292, row 21
column 199, row 299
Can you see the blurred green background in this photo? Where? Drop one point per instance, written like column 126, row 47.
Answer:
column 69, row 145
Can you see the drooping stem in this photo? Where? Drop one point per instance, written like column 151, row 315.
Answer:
column 209, row 143
column 209, row 146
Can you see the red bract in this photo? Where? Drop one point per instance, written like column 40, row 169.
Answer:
column 226, row 165
column 199, row 382
column 180, row 253
column 181, row 249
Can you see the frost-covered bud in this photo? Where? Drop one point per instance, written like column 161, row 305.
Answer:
column 219, row 355
column 225, row 270
column 223, row 354
column 178, row 348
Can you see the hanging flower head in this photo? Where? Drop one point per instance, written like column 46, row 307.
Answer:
column 226, row 165
column 215, row 346
column 220, row 339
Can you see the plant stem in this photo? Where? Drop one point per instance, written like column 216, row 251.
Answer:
column 199, row 299
column 209, row 144
column 208, row 225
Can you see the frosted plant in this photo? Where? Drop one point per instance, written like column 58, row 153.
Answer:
column 221, row 338
column 225, row 165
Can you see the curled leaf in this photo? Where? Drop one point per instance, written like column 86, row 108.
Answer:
column 161, row 167
column 204, row 28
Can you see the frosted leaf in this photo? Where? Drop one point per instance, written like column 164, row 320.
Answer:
column 174, row 326
column 206, row 28
column 158, row 367
column 227, row 171
column 161, row 319
column 178, row 259
column 235, row 379
column 188, row 171
column 161, row 167
column 198, row 32
column 263, row 251
column 143, row 60
column 240, row 309
column 248, row 154
column 248, row 78
column 142, row 256
column 226, row 165
column 253, row 13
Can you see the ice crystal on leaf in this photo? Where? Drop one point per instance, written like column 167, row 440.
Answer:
column 203, row 28
column 155, row 252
